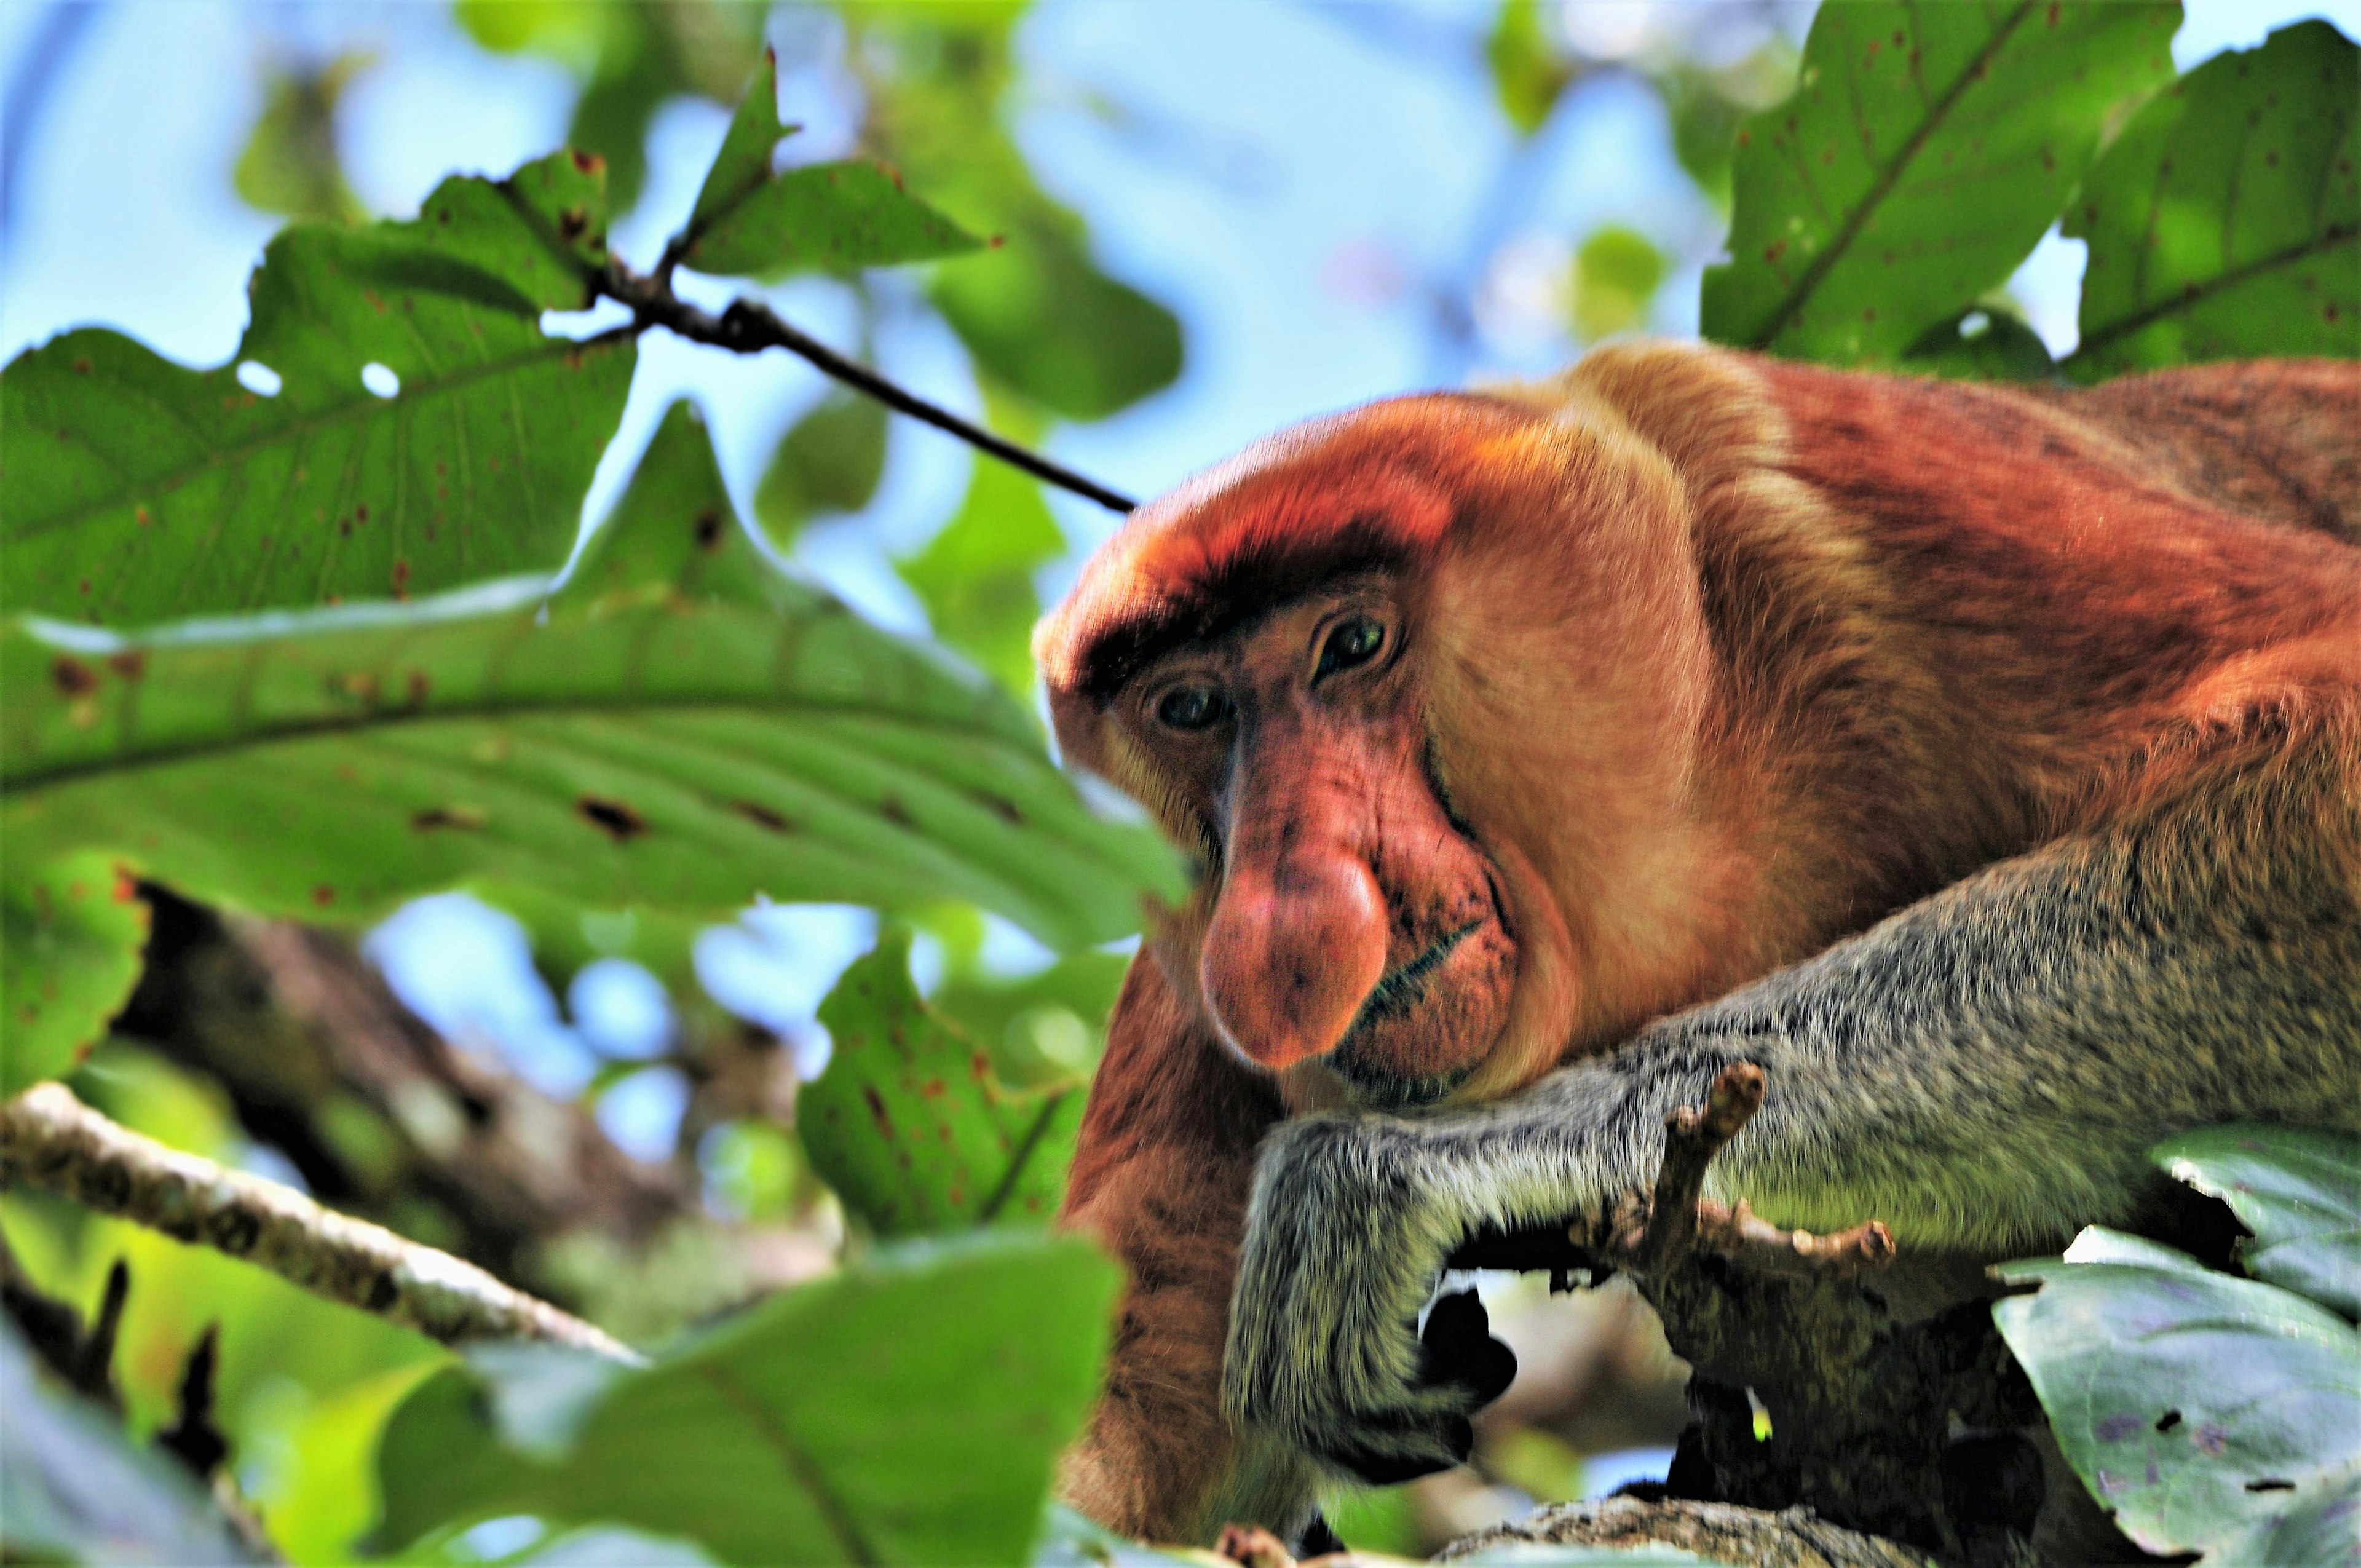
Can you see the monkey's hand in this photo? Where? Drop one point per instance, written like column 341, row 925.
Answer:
column 1345, row 1241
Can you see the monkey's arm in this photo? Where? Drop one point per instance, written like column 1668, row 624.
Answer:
column 1984, row 1068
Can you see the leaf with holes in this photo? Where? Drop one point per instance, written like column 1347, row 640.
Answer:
column 2206, row 1412
column 2298, row 1191
column 670, row 743
column 911, row 1127
column 408, row 425
column 2226, row 221
column 749, row 222
column 70, row 933
column 907, row 1410
column 1846, row 239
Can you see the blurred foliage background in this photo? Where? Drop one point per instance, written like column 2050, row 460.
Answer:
column 1205, row 222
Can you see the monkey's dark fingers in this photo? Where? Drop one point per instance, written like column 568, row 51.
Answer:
column 1457, row 1350
column 1387, row 1455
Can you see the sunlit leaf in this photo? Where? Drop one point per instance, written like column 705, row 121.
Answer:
column 826, row 216
column 2226, row 221
column 1616, row 273
column 829, row 460
column 744, row 164
column 910, row 1125
column 2298, row 1191
column 833, row 216
column 2205, row 1413
column 672, row 745
column 1528, row 75
column 905, row 1412
column 975, row 578
column 70, row 933
column 415, row 429
column 290, row 165
column 1924, row 152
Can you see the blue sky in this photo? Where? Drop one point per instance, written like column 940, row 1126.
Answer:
column 1287, row 174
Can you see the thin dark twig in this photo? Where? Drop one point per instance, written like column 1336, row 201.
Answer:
column 748, row 327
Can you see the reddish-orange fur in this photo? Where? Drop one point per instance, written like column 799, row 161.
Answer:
column 1722, row 659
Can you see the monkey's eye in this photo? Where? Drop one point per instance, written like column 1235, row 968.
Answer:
column 1356, row 642
column 1192, row 707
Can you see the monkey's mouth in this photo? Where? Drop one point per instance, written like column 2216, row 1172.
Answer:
column 1401, row 989
column 1357, row 1057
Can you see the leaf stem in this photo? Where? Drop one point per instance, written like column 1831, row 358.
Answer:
column 748, row 326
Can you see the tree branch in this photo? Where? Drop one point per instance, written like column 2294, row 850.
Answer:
column 51, row 1140
column 748, row 327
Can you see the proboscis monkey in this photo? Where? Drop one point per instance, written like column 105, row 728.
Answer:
column 1983, row 761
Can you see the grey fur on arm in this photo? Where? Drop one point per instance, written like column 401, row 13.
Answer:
column 1984, row 1068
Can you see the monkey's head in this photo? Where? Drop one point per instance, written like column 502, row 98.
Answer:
column 1415, row 686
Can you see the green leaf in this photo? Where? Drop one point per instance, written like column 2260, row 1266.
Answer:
column 140, row 491
column 1616, row 273
column 675, row 527
column 1045, row 1029
column 2226, row 221
column 975, row 578
column 669, row 745
column 1528, row 75
column 1041, row 318
column 2298, row 1191
column 907, row 1411
column 836, row 217
column 290, row 164
column 1924, row 151
column 829, row 461
column 909, row 1125
column 71, row 1483
column 1982, row 345
column 744, row 164
column 71, row 935
column 839, row 216
column 2206, row 1413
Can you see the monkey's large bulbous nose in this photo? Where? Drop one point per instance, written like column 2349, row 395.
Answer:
column 1293, row 948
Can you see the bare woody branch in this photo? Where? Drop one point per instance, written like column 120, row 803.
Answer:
column 1676, row 1221
column 748, row 327
column 52, row 1141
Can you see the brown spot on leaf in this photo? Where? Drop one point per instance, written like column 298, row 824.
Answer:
column 932, row 1088
column 400, row 573
column 360, row 513
column 435, row 817
column 877, row 1112
column 892, row 809
column 73, row 677
column 82, row 365
column 709, row 530
column 588, row 163
column 612, row 817
column 1001, row 806
column 762, row 816
column 130, row 663
column 415, row 686
column 572, row 222
column 323, row 895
